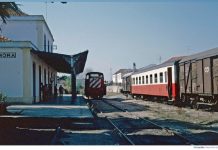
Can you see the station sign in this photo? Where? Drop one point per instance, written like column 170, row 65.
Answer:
column 7, row 54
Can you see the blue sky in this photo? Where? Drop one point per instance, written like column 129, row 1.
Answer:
column 120, row 33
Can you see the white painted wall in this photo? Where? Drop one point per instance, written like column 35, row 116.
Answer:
column 114, row 78
column 119, row 78
column 11, row 74
column 28, row 28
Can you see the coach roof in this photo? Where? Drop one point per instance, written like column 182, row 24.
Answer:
column 169, row 62
column 201, row 55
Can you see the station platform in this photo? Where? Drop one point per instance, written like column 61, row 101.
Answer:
column 61, row 107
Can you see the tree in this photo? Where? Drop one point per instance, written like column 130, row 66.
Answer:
column 7, row 9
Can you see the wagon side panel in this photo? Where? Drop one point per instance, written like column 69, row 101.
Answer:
column 215, row 75
column 207, row 76
column 194, row 77
column 199, row 86
column 181, row 78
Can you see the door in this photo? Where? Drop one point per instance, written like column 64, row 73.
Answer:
column 215, row 75
column 188, row 88
column 40, row 85
column 169, row 84
column 207, row 76
column 199, row 81
column 34, row 82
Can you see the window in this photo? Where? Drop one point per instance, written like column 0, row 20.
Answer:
column 151, row 79
column 44, row 42
column 139, row 80
column 143, row 80
column 44, row 76
column 147, row 79
column 165, row 74
column 48, row 46
column 48, row 77
column 155, row 78
column 136, row 80
column 51, row 47
column 133, row 80
column 161, row 77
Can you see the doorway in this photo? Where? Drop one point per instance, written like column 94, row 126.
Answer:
column 169, row 84
column 34, row 82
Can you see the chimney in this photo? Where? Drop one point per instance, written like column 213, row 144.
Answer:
column 134, row 67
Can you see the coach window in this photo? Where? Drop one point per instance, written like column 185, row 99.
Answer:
column 151, row 79
column 139, row 80
column 133, row 81
column 136, row 80
column 165, row 74
column 143, row 80
column 161, row 77
column 147, row 79
column 155, row 78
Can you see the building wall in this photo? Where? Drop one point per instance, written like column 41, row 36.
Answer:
column 28, row 28
column 16, row 77
column 11, row 73
column 48, row 38
column 117, row 78
column 114, row 78
column 38, row 62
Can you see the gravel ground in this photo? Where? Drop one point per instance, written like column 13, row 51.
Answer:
column 200, row 126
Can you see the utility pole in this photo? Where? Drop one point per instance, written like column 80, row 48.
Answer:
column 46, row 10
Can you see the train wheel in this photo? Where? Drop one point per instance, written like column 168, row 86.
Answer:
column 183, row 100
column 195, row 105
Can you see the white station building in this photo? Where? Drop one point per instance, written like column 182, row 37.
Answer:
column 27, row 59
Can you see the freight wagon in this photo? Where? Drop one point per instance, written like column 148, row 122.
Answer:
column 198, row 78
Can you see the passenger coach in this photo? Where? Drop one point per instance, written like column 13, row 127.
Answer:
column 157, row 81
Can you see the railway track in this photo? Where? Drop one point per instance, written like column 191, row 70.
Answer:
column 139, row 131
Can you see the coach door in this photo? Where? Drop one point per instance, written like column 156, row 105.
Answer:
column 169, row 84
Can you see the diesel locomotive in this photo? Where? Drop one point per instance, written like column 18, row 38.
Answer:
column 94, row 85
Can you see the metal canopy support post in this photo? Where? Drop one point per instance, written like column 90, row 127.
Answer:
column 73, row 86
column 73, row 80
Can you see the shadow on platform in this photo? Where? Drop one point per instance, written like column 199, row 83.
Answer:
column 66, row 99
column 62, row 107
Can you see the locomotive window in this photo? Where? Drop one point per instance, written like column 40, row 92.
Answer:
column 143, row 80
column 161, row 77
column 136, row 80
column 133, row 80
column 155, row 78
column 95, row 75
column 165, row 74
column 151, row 79
column 147, row 79
column 139, row 80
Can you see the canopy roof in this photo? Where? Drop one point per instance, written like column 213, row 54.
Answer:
column 62, row 63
